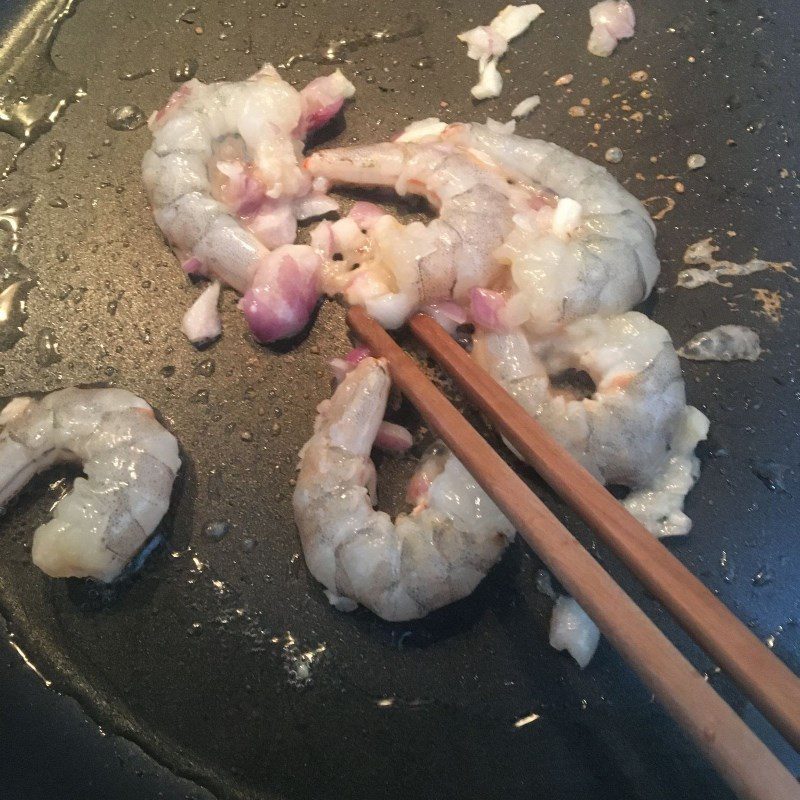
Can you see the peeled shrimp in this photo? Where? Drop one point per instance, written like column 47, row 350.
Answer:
column 630, row 426
column 226, row 186
column 405, row 266
column 130, row 462
column 620, row 431
column 400, row 569
column 551, row 235
column 593, row 254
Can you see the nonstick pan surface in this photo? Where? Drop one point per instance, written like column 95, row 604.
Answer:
column 221, row 657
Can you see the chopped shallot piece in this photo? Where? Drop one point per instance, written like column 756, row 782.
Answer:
column 192, row 266
column 573, row 631
column 566, row 217
column 322, row 99
column 341, row 366
column 393, row 438
column 611, row 20
column 490, row 83
column 421, row 129
column 315, row 205
column 503, row 128
column 283, row 293
column 486, row 308
column 523, row 108
column 356, row 355
column 347, row 235
column 513, row 21
column 447, row 313
column 322, row 241
column 487, row 43
column 201, row 323
column 365, row 215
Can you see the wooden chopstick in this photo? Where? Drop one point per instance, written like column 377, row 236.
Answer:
column 750, row 769
column 760, row 674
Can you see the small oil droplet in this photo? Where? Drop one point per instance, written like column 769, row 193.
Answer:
column 764, row 576
column 217, row 530
column 184, row 72
column 13, row 313
column 135, row 76
column 13, row 219
column 205, row 368
column 126, row 118
column 57, row 150
column 47, row 352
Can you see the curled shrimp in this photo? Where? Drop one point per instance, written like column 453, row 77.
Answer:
column 551, row 236
column 401, row 569
column 629, row 426
column 407, row 266
column 130, row 462
column 226, row 187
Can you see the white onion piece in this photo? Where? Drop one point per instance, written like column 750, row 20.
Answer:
column 573, row 631
column 201, row 323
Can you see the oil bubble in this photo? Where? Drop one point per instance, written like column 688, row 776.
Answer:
column 126, row 118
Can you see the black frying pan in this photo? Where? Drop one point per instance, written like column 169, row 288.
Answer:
column 198, row 658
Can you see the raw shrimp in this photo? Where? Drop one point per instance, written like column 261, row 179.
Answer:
column 593, row 254
column 226, row 185
column 629, row 423
column 400, row 569
column 553, row 236
column 406, row 266
column 130, row 462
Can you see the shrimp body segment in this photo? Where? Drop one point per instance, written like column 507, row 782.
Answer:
column 400, row 569
column 226, row 185
column 630, row 426
column 553, row 235
column 130, row 462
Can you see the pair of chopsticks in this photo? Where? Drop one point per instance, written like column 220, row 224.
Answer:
column 743, row 761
